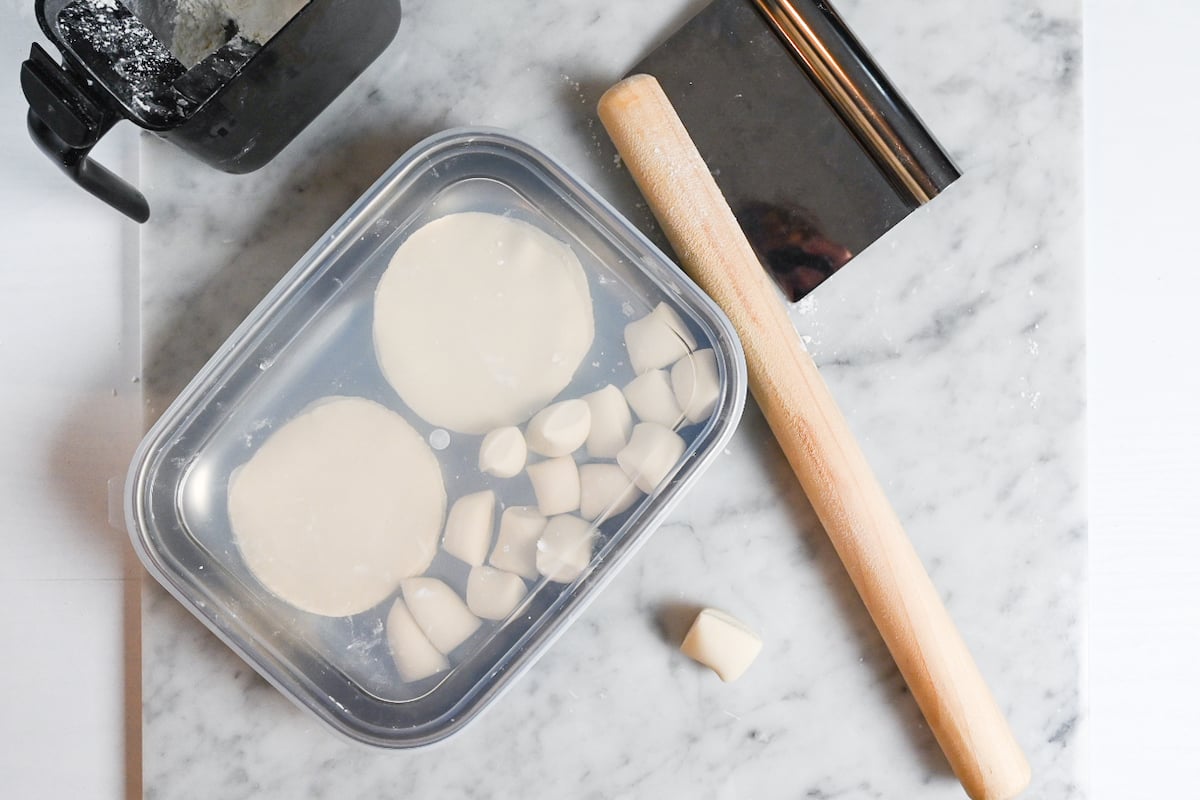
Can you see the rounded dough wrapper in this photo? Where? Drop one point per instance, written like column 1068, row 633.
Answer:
column 555, row 485
column 516, row 544
column 415, row 657
column 480, row 320
column 441, row 614
column 653, row 400
column 559, row 429
column 338, row 506
column 652, row 452
column 612, row 422
column 657, row 340
column 469, row 527
column 565, row 548
column 502, row 452
column 697, row 384
column 494, row 593
column 605, row 491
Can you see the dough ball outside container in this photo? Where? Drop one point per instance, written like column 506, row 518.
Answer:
column 480, row 320
column 338, row 506
column 722, row 643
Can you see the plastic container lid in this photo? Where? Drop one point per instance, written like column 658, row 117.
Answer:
column 311, row 339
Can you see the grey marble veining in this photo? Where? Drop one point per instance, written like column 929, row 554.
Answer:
column 955, row 345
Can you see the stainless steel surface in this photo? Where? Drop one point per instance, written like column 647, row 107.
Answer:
column 815, row 150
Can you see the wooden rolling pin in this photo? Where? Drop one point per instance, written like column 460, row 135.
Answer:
column 818, row 444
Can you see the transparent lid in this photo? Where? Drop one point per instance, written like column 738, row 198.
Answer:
column 313, row 340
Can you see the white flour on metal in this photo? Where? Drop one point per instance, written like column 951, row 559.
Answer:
column 201, row 26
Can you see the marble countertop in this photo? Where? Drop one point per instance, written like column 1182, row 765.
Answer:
column 955, row 346
column 964, row 381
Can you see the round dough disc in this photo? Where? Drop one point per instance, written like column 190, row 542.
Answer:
column 337, row 506
column 480, row 320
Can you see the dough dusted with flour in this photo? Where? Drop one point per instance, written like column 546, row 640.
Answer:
column 481, row 320
column 338, row 506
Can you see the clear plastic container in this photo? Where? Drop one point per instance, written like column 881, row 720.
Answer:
column 311, row 338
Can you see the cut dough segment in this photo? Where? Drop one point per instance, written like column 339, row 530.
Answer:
column 652, row 399
column 480, row 320
column 657, row 340
column 494, row 593
column 516, row 544
column 722, row 643
column 611, row 422
column 651, row 454
column 605, row 491
column 696, row 384
column 565, row 548
column 559, row 429
column 469, row 527
column 337, row 506
column 415, row 656
column 440, row 613
column 555, row 485
column 502, row 452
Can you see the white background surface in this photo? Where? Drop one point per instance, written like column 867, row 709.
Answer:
column 67, row 268
column 1143, row 386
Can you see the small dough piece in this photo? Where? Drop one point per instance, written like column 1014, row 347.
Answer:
column 605, row 491
column 559, row 429
column 502, row 452
column 440, row 613
column 337, row 506
column 469, row 527
column 416, row 657
column 652, row 399
column 565, row 548
column 480, row 320
column 516, row 544
column 611, row 422
column 493, row 593
column 696, row 384
column 722, row 643
column 652, row 452
column 555, row 485
column 657, row 340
